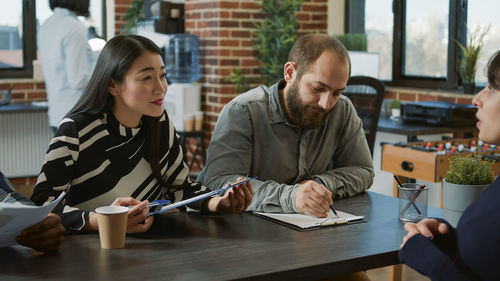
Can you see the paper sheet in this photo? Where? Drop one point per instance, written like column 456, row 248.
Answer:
column 14, row 217
column 306, row 221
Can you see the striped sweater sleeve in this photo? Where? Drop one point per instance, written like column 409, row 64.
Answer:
column 57, row 172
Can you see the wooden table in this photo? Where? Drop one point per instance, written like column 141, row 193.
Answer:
column 242, row 247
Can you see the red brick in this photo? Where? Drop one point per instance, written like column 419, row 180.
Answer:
column 426, row 98
column 193, row 15
column 447, row 99
column 40, row 85
column 251, row 62
column 314, row 8
column 303, row 17
column 227, row 23
column 23, row 86
column 243, row 53
column 248, row 6
column 121, row 9
column 224, row 15
column 189, row 24
column 128, row 2
column 322, row 17
column 390, row 95
column 240, row 15
column 228, row 62
column 228, row 5
column 406, row 97
column 37, row 95
column 464, row 101
column 248, row 24
column 229, row 43
column 244, row 34
column 313, row 25
column 259, row 15
column 5, row 86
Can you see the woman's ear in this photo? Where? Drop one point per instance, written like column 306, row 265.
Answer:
column 289, row 71
column 113, row 88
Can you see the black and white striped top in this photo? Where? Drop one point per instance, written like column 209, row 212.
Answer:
column 95, row 160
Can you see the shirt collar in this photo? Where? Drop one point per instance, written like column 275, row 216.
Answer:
column 276, row 111
column 118, row 129
column 64, row 11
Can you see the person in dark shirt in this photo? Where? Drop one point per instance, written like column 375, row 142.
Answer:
column 117, row 146
column 44, row 236
column 472, row 250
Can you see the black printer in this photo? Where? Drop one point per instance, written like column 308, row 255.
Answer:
column 439, row 113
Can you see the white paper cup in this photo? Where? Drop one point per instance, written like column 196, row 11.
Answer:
column 112, row 222
column 188, row 122
column 198, row 121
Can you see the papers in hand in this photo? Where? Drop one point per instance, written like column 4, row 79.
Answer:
column 199, row 197
column 304, row 222
column 14, row 217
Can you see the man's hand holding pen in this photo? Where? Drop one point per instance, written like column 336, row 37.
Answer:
column 313, row 198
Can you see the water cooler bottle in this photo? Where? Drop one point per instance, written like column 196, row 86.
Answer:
column 183, row 97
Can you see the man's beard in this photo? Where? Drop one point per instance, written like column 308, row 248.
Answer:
column 305, row 116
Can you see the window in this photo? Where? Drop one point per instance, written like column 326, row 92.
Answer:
column 416, row 38
column 18, row 25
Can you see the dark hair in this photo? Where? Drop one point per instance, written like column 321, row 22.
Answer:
column 494, row 71
column 308, row 48
column 81, row 7
column 114, row 61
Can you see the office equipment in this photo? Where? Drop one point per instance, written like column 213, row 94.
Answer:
column 439, row 113
column 366, row 94
column 304, row 222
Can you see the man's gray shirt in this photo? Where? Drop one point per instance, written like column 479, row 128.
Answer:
column 253, row 137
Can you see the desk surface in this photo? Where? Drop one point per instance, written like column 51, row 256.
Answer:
column 244, row 247
column 413, row 130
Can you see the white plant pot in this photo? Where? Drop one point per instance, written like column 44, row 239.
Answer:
column 457, row 197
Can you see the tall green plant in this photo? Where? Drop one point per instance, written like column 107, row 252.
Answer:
column 274, row 37
column 467, row 62
column 133, row 15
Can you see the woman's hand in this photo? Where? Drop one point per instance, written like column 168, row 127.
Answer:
column 137, row 213
column 426, row 227
column 235, row 200
column 43, row 236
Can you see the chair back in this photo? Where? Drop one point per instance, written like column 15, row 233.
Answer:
column 366, row 94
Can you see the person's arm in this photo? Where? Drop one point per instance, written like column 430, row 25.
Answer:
column 229, row 156
column 425, row 257
column 43, row 236
column 352, row 170
column 57, row 173
column 79, row 60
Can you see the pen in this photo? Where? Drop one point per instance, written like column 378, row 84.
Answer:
column 411, row 200
column 331, row 206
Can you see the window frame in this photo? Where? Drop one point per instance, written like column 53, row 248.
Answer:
column 29, row 41
column 458, row 31
column 29, row 49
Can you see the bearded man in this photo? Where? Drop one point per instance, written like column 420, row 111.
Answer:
column 301, row 137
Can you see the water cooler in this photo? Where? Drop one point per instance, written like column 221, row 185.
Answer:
column 183, row 97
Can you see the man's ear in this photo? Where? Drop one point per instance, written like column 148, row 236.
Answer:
column 289, row 71
column 113, row 88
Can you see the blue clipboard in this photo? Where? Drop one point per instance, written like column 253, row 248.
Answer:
column 199, row 197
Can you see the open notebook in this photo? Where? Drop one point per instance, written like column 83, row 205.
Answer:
column 305, row 222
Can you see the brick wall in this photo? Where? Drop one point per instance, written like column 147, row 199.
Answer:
column 225, row 30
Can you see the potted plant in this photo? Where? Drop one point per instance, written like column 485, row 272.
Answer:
column 467, row 177
column 394, row 108
column 467, row 62
column 273, row 39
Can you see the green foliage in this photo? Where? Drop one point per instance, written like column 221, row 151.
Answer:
column 133, row 15
column 469, row 170
column 354, row 41
column 467, row 62
column 273, row 39
column 242, row 83
column 394, row 104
